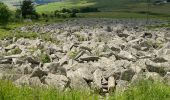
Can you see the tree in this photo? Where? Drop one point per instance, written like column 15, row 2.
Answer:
column 27, row 8
column 5, row 14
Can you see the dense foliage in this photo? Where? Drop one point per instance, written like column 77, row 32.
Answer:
column 28, row 9
column 5, row 14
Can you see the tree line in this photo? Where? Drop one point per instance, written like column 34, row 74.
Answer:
column 27, row 11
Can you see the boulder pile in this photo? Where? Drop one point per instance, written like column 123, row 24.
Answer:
column 98, row 55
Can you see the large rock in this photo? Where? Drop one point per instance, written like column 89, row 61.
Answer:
column 35, row 82
column 89, row 58
column 111, row 83
column 77, row 82
column 23, row 81
column 64, row 60
column 155, row 77
column 85, row 73
column 54, row 68
column 98, row 74
column 25, row 69
column 57, row 81
column 9, row 47
column 166, row 78
column 127, row 74
column 126, row 55
column 38, row 72
column 121, row 86
column 32, row 60
column 161, row 68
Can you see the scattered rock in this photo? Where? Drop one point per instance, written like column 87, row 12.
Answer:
column 57, row 81
column 38, row 72
column 106, row 55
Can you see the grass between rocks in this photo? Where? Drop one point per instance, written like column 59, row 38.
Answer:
column 10, row 31
column 145, row 90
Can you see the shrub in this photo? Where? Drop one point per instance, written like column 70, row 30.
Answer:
column 28, row 10
column 64, row 10
column 5, row 14
column 88, row 9
column 18, row 14
column 72, row 15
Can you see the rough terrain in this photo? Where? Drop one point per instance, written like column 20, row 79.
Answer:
column 103, row 55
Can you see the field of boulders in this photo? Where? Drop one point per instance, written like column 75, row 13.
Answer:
column 93, row 54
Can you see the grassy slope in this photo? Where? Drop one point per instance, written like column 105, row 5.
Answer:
column 111, row 8
column 10, row 3
column 59, row 5
column 102, row 4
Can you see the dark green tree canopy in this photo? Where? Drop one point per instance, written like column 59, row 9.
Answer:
column 5, row 14
column 27, row 8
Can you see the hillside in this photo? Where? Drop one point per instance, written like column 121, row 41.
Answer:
column 125, row 8
column 102, row 4
column 12, row 3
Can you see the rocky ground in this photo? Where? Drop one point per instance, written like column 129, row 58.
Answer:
column 102, row 55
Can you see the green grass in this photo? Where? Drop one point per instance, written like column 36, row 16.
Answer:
column 145, row 90
column 51, row 7
column 122, row 15
column 9, row 91
column 111, row 8
column 9, row 30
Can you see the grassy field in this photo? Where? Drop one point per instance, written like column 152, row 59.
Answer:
column 108, row 8
column 11, row 2
column 112, row 8
column 145, row 90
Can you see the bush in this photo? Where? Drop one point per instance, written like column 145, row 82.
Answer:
column 5, row 14
column 88, row 9
column 28, row 10
column 72, row 15
column 18, row 14
column 64, row 10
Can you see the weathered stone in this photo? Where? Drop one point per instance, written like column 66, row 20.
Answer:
column 32, row 60
column 35, row 82
column 38, row 72
column 57, row 81
column 25, row 69
column 153, row 76
column 85, row 73
column 12, row 46
column 166, row 78
column 77, row 82
column 64, row 60
column 89, row 58
column 121, row 86
column 160, row 68
column 127, row 74
column 111, row 83
column 97, row 79
column 160, row 60
column 54, row 68
column 23, row 81
column 126, row 55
